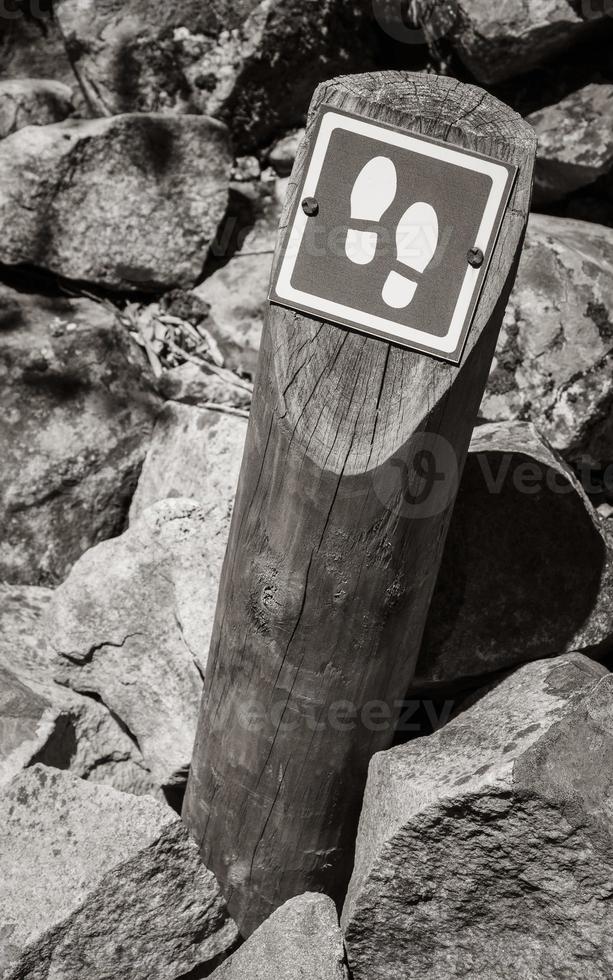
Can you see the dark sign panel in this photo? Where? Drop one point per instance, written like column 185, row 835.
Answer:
column 392, row 233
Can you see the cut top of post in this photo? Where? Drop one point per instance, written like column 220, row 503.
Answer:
column 440, row 109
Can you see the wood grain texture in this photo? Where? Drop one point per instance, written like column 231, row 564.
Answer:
column 327, row 581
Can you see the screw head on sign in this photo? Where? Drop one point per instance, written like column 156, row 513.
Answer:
column 310, row 206
column 475, row 257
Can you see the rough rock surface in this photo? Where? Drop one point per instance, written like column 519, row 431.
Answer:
column 575, row 142
column 485, row 850
column 197, row 453
column 300, row 941
column 132, row 624
column 554, row 360
column 254, row 64
column 31, row 44
column 30, row 727
column 237, row 291
column 76, row 410
column 523, row 536
column 84, row 737
column 498, row 41
column 32, row 102
column 99, row 884
column 283, row 152
column 194, row 385
column 128, row 202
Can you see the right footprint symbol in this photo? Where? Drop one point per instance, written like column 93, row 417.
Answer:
column 416, row 242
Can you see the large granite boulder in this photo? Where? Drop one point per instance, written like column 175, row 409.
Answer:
column 194, row 452
column 99, row 884
column 527, row 570
column 130, row 202
column 77, row 409
column 554, row 360
column 254, row 63
column 42, row 721
column 486, row 849
column 575, row 142
column 300, row 941
column 32, row 102
column 132, row 624
column 496, row 42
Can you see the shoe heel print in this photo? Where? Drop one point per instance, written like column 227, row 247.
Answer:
column 372, row 193
column 416, row 243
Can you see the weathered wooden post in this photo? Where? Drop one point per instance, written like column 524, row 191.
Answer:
column 351, row 466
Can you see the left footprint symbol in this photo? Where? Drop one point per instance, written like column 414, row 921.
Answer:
column 373, row 192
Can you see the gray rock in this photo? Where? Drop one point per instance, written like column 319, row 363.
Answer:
column 498, row 42
column 300, row 940
column 197, row 453
column 195, row 385
column 76, row 411
column 130, row 202
column 526, row 571
column 132, row 624
column 554, row 359
column 100, row 884
column 238, row 294
column 31, row 727
column 575, row 142
column 283, row 152
column 254, row 64
column 485, row 850
column 32, row 102
column 75, row 732
column 32, row 46
column 237, row 291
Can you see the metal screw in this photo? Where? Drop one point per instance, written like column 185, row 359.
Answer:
column 475, row 257
column 310, row 206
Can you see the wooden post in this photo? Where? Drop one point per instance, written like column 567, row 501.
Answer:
column 327, row 577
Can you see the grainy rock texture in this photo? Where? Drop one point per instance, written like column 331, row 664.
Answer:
column 554, row 360
column 85, row 737
column 526, row 568
column 128, row 202
column 31, row 45
column 283, row 152
column 30, row 726
column 498, row 41
column 76, row 410
column 254, row 64
column 100, row 884
column 300, row 941
column 132, row 624
column 485, row 850
column 195, row 385
column 194, row 452
column 32, row 102
column 575, row 142
column 237, row 291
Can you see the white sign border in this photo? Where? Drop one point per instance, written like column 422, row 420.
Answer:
column 499, row 175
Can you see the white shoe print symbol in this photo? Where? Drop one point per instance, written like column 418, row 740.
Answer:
column 416, row 235
column 373, row 192
column 416, row 241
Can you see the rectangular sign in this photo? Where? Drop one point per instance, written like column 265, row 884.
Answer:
column 392, row 233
